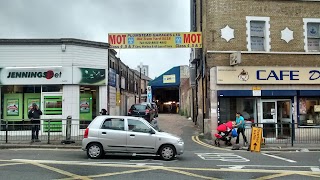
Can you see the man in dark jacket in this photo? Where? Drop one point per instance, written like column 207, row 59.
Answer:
column 34, row 115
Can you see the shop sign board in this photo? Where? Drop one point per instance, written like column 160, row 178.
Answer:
column 267, row 75
column 32, row 75
column 155, row 40
column 256, row 139
column 169, row 78
column 89, row 76
column 52, row 75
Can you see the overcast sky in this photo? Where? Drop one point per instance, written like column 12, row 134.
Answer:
column 94, row 19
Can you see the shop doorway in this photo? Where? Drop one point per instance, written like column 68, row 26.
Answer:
column 276, row 118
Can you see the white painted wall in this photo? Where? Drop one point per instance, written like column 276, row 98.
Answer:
column 52, row 55
column 70, row 106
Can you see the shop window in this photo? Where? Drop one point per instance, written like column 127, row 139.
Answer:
column 312, row 34
column 309, row 110
column 230, row 106
column 258, row 34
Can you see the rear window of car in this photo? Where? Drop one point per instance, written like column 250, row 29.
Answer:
column 138, row 107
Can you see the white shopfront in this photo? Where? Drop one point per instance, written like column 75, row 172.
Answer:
column 69, row 79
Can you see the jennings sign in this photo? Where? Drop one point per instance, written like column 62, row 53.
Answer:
column 267, row 75
column 155, row 40
column 52, row 75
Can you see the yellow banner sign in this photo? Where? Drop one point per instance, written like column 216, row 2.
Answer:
column 155, row 40
column 169, row 78
column 256, row 139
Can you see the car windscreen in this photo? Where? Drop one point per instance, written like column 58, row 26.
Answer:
column 138, row 107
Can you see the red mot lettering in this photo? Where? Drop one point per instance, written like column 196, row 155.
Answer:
column 191, row 38
column 117, row 39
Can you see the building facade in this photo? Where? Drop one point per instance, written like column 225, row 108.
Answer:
column 64, row 77
column 259, row 58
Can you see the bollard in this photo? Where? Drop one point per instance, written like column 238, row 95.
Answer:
column 7, row 131
column 49, row 131
column 68, row 131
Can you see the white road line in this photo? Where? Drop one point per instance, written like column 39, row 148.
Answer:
column 315, row 169
column 83, row 162
column 268, row 166
column 281, row 158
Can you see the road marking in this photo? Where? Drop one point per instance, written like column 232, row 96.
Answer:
column 46, row 149
column 122, row 172
column 198, row 141
column 281, row 158
column 86, row 163
column 189, row 174
column 274, row 176
column 266, row 166
column 315, row 169
column 66, row 173
column 11, row 164
column 229, row 157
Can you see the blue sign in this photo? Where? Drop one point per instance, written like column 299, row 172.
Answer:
column 112, row 80
column 178, row 40
column 130, row 40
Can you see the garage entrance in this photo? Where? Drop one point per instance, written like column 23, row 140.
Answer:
column 165, row 91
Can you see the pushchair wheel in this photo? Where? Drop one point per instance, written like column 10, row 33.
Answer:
column 217, row 143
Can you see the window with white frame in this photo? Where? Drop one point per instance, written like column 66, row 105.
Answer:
column 312, row 34
column 258, row 33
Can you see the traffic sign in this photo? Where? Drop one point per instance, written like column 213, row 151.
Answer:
column 256, row 139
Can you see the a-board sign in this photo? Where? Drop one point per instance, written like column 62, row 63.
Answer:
column 256, row 138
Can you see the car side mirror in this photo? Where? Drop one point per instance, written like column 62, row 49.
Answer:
column 152, row 131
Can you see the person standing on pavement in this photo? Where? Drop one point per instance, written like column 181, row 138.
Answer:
column 240, row 123
column 34, row 115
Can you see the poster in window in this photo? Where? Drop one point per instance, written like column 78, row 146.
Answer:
column 13, row 107
column 313, row 44
column 257, row 28
column 85, row 105
column 302, row 106
column 313, row 30
column 31, row 101
column 257, row 44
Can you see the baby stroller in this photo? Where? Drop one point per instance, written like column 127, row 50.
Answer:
column 225, row 133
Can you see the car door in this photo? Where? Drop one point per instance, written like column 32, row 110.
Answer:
column 112, row 135
column 139, row 138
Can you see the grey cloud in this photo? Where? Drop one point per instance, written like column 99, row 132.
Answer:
column 94, row 19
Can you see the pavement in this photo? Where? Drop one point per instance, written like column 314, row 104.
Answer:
column 172, row 123
column 200, row 161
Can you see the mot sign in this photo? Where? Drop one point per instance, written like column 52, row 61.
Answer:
column 155, row 40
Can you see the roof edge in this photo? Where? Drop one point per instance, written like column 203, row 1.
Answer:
column 67, row 41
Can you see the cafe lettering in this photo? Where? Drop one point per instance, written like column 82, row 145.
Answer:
column 267, row 75
column 292, row 75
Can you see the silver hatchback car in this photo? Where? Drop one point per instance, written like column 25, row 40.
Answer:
column 127, row 134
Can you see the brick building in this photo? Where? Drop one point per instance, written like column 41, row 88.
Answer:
column 276, row 76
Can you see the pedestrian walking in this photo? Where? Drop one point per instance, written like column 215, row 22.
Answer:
column 34, row 115
column 240, row 123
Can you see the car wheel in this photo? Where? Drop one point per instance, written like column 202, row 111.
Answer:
column 167, row 152
column 94, row 151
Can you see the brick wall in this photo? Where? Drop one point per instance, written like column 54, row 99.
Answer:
column 220, row 13
column 233, row 13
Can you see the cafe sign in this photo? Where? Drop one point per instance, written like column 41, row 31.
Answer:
column 267, row 75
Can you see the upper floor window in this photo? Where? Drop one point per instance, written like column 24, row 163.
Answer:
column 312, row 34
column 258, row 33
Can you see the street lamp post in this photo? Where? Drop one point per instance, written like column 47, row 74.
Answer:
column 139, row 90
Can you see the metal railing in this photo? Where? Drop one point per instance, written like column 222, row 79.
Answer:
column 50, row 131
column 286, row 133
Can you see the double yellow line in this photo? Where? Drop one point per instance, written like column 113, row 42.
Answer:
column 198, row 141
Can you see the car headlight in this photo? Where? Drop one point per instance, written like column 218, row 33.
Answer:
column 180, row 141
